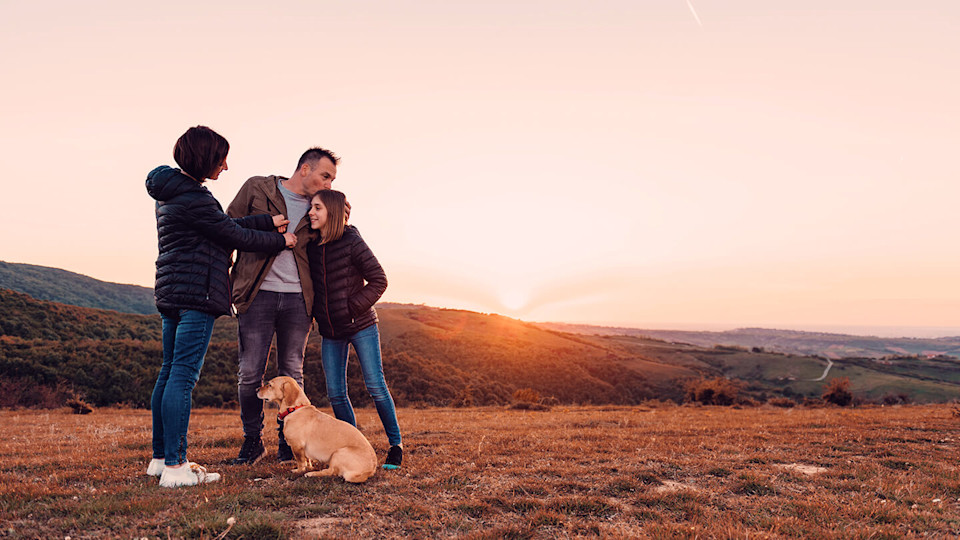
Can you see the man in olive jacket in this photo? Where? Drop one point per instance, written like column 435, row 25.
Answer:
column 273, row 294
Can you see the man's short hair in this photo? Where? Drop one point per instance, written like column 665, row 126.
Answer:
column 316, row 154
column 200, row 151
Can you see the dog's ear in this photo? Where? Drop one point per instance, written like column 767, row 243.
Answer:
column 283, row 388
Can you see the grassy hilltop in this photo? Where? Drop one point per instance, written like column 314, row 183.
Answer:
column 604, row 452
column 493, row 473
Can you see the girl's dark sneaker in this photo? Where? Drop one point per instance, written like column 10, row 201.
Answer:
column 394, row 458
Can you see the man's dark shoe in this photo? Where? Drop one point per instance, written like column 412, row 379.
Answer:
column 250, row 452
column 394, row 458
column 284, row 453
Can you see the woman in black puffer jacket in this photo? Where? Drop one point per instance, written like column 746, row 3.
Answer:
column 347, row 281
column 193, row 287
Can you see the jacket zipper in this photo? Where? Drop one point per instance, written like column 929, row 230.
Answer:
column 326, row 296
column 256, row 282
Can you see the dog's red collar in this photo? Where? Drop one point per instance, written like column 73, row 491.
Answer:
column 283, row 415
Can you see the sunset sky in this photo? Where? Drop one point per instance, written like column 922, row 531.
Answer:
column 703, row 164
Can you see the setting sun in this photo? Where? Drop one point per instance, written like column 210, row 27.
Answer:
column 513, row 299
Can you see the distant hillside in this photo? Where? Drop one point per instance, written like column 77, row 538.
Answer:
column 58, row 285
column 827, row 345
column 431, row 356
column 768, row 373
column 492, row 353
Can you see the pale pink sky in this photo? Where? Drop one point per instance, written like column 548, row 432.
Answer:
column 604, row 162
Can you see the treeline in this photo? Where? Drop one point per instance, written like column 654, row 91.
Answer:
column 47, row 373
column 53, row 352
column 28, row 318
column 25, row 317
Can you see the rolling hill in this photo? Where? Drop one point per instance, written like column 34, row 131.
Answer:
column 56, row 285
column 432, row 356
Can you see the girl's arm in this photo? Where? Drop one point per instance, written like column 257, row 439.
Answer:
column 362, row 257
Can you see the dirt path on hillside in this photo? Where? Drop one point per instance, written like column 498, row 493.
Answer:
column 825, row 371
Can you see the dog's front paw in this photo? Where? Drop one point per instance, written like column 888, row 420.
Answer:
column 303, row 466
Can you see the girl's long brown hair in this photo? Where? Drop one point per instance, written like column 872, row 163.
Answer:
column 335, row 203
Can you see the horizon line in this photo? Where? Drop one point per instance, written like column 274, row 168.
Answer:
column 862, row 330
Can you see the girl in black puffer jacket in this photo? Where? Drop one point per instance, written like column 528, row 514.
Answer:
column 347, row 281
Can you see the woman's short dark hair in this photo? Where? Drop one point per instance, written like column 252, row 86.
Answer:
column 200, row 151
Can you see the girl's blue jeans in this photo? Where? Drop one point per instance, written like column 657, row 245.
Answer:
column 186, row 334
column 334, row 354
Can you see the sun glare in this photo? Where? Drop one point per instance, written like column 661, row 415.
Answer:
column 513, row 299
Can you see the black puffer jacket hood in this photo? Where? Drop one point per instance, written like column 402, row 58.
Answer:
column 163, row 183
column 342, row 302
column 195, row 240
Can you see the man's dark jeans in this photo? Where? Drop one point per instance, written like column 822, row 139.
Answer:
column 285, row 315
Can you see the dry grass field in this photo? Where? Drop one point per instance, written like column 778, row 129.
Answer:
column 657, row 471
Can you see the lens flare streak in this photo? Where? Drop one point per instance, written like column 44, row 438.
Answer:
column 695, row 16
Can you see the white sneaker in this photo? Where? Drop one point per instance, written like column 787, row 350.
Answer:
column 189, row 475
column 155, row 468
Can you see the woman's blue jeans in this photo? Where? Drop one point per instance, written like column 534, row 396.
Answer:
column 186, row 334
column 334, row 354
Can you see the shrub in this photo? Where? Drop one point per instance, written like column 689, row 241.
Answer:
column 23, row 392
column 527, row 406
column 746, row 401
column 79, row 406
column 730, row 348
column 812, row 402
column 782, row 402
column 549, row 401
column 526, row 395
column 718, row 391
column 838, row 392
column 528, row 399
column 895, row 398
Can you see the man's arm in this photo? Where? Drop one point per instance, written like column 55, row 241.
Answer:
column 240, row 206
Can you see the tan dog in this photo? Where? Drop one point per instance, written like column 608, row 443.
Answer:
column 315, row 435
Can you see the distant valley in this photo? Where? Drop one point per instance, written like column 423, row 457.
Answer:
column 833, row 346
